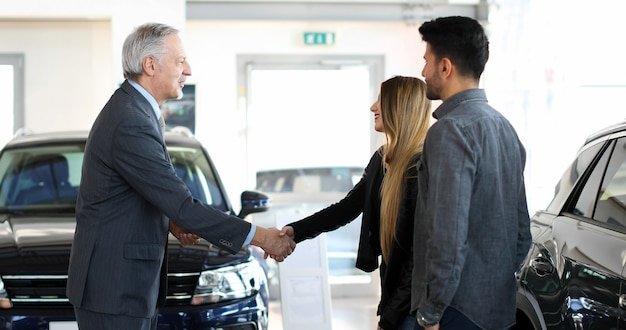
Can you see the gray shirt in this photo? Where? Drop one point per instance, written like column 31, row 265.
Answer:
column 472, row 228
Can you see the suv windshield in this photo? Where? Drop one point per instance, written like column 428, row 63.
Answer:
column 49, row 176
column 40, row 176
column 309, row 180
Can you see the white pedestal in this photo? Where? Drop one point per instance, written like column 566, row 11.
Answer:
column 304, row 287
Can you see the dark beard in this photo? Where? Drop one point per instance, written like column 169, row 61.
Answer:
column 432, row 93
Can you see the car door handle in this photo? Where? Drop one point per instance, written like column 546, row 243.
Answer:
column 542, row 266
column 622, row 301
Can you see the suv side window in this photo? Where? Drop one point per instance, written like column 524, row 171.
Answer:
column 606, row 203
column 569, row 178
column 611, row 205
column 587, row 199
column 192, row 167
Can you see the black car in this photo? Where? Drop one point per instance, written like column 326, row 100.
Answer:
column 39, row 177
column 574, row 275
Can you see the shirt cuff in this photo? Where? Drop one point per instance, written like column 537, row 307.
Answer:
column 250, row 235
column 428, row 314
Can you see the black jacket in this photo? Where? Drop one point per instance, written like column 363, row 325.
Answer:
column 364, row 198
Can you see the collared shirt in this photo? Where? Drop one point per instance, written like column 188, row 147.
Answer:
column 148, row 96
column 157, row 112
column 472, row 228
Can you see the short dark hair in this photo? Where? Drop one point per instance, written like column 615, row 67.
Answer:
column 461, row 39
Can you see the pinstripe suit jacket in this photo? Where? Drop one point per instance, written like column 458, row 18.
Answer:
column 118, row 262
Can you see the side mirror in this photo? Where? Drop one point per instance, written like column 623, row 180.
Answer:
column 253, row 202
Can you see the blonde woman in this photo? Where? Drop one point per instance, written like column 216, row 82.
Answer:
column 386, row 196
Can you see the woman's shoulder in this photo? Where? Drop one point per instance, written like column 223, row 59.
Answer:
column 377, row 156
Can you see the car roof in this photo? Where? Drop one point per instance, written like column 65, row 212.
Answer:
column 618, row 127
column 176, row 136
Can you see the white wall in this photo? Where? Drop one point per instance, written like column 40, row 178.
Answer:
column 213, row 46
column 73, row 64
column 68, row 70
column 73, row 52
column 556, row 71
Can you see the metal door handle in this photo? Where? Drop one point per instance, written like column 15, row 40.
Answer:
column 542, row 266
column 622, row 301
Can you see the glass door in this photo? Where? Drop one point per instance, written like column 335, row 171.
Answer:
column 309, row 133
column 11, row 95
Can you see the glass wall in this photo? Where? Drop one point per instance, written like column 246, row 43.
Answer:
column 6, row 103
column 556, row 71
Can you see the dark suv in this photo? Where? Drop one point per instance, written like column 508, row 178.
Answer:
column 574, row 275
column 39, row 177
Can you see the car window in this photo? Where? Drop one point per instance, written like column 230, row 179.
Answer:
column 50, row 176
column 571, row 175
column 192, row 166
column 40, row 176
column 611, row 205
column 309, row 180
column 587, row 198
column 603, row 198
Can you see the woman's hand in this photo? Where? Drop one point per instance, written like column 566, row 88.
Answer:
column 184, row 237
column 286, row 231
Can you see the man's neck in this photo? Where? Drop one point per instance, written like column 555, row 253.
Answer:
column 458, row 85
column 145, row 83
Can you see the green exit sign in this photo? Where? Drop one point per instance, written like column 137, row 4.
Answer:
column 319, row 38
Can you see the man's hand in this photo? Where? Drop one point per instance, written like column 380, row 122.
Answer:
column 183, row 236
column 288, row 230
column 273, row 243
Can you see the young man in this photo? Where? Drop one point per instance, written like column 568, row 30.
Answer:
column 472, row 229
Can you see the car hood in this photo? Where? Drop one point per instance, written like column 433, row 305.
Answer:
column 42, row 243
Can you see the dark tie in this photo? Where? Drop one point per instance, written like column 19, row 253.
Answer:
column 162, row 125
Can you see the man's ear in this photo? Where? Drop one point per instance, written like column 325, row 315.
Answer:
column 445, row 67
column 149, row 65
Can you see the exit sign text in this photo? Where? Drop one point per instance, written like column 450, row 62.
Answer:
column 319, row 38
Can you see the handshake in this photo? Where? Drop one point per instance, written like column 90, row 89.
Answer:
column 277, row 244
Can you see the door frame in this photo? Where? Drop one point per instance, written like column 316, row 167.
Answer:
column 248, row 62
column 17, row 61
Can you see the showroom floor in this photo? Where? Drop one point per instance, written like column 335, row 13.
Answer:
column 347, row 314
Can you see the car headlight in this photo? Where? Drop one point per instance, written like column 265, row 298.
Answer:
column 226, row 283
column 5, row 302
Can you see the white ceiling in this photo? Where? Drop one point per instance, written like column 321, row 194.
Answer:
column 328, row 10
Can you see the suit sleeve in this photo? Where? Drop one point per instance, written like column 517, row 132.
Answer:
column 140, row 156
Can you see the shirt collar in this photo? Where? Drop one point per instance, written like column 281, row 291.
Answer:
column 461, row 97
column 150, row 98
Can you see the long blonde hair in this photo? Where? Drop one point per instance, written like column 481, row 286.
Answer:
column 406, row 119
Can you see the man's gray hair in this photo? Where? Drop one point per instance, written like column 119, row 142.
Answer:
column 146, row 40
